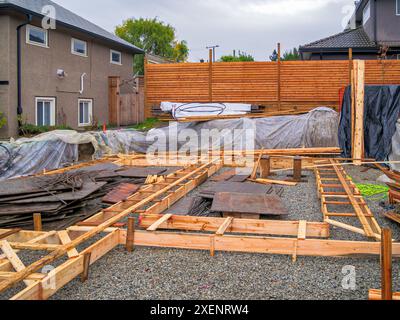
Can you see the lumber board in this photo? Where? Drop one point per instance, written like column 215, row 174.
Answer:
column 68, row 270
column 376, row 295
column 253, row 244
column 159, row 222
column 15, row 261
column 213, row 166
column 245, row 226
column 224, row 227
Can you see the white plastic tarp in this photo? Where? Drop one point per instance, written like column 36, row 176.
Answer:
column 187, row 110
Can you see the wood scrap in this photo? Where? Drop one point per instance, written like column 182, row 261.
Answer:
column 270, row 181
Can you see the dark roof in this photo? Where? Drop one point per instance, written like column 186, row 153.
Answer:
column 69, row 20
column 353, row 38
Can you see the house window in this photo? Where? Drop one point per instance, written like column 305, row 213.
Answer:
column 398, row 7
column 367, row 12
column 79, row 47
column 85, row 112
column 37, row 36
column 115, row 57
column 45, row 111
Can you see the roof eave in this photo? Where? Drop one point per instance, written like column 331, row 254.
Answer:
column 335, row 50
column 69, row 26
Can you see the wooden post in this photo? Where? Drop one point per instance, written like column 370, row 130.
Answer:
column 265, row 166
column 297, row 169
column 359, row 88
column 386, row 264
column 279, row 76
column 130, row 236
column 210, row 76
column 350, row 63
column 147, row 109
column 37, row 222
column 86, row 265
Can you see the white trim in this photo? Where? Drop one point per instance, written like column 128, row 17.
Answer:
column 28, row 40
column 90, row 101
column 85, row 55
column 52, row 109
column 120, row 55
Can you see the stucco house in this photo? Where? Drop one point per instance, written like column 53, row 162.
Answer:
column 55, row 72
column 372, row 33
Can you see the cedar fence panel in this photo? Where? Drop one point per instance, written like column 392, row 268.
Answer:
column 303, row 85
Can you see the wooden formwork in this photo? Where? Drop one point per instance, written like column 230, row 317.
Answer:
column 294, row 238
column 336, row 189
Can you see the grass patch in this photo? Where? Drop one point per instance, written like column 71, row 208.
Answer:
column 30, row 129
column 150, row 123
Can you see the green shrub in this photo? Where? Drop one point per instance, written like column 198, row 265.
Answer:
column 30, row 129
column 3, row 120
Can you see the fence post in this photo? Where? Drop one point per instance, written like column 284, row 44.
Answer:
column 386, row 264
column 279, row 76
column 210, row 76
column 147, row 113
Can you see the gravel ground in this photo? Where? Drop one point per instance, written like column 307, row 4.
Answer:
column 151, row 273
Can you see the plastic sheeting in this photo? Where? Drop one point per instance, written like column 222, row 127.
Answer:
column 187, row 110
column 318, row 128
column 382, row 109
column 54, row 149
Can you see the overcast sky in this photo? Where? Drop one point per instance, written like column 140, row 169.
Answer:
column 252, row 26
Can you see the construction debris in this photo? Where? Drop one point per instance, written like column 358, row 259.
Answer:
column 251, row 206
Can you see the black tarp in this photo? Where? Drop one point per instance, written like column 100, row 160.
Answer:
column 382, row 109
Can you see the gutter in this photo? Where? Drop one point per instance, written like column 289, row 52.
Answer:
column 19, row 67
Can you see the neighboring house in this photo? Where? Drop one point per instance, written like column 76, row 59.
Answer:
column 372, row 30
column 154, row 59
column 63, row 73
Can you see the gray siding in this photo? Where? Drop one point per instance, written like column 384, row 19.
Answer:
column 388, row 23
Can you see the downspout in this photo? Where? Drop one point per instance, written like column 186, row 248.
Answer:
column 19, row 67
column 375, row 23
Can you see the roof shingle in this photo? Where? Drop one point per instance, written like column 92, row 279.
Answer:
column 354, row 38
column 69, row 19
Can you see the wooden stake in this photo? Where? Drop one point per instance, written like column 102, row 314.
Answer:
column 386, row 264
column 265, row 167
column 86, row 265
column 212, row 246
column 297, row 168
column 37, row 222
column 130, row 239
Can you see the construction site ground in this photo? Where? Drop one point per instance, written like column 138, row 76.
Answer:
column 152, row 273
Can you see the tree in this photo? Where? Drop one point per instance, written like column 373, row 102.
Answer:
column 274, row 56
column 240, row 58
column 291, row 55
column 155, row 37
column 181, row 51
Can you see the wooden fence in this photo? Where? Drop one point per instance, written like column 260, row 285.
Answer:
column 292, row 85
column 125, row 108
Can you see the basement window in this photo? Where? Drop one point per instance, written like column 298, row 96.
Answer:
column 115, row 57
column 85, row 112
column 37, row 36
column 79, row 47
column 45, row 111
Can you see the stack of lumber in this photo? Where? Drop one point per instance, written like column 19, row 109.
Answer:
column 66, row 198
